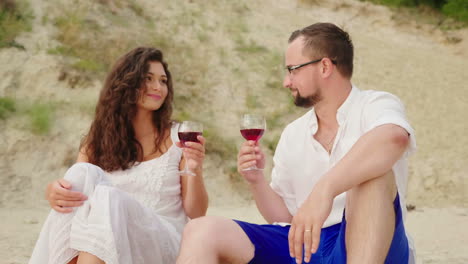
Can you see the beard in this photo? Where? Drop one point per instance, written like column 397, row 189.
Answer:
column 307, row 101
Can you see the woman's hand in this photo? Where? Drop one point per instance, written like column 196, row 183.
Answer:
column 194, row 195
column 250, row 154
column 61, row 198
column 194, row 153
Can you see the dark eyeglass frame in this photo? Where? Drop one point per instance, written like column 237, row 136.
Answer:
column 295, row 67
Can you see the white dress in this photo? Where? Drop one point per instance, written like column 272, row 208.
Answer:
column 133, row 216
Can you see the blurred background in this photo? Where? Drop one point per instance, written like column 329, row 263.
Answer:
column 227, row 59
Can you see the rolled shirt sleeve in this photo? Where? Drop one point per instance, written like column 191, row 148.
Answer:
column 384, row 108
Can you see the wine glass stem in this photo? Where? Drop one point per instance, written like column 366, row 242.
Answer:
column 186, row 170
column 255, row 158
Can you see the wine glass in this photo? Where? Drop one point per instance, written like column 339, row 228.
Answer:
column 188, row 132
column 252, row 127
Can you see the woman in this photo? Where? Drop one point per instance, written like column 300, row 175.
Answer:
column 124, row 201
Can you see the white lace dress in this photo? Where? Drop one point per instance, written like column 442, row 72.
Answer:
column 133, row 216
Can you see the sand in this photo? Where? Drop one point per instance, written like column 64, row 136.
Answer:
column 438, row 232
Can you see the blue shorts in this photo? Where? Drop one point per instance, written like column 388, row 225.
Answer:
column 271, row 243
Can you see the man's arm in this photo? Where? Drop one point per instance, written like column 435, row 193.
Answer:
column 373, row 155
column 269, row 203
column 377, row 150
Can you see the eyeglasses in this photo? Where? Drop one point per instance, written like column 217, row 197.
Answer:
column 295, row 67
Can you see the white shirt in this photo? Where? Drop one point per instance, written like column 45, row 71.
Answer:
column 300, row 161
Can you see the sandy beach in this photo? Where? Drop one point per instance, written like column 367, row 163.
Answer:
column 437, row 232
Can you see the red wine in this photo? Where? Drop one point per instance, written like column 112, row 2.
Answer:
column 189, row 136
column 252, row 134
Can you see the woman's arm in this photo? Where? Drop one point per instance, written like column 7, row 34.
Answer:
column 194, row 195
column 59, row 194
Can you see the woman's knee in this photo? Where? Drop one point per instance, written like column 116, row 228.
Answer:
column 84, row 176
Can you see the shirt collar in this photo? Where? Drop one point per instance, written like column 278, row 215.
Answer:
column 341, row 114
column 345, row 108
column 313, row 123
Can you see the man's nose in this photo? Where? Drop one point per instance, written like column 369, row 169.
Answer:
column 287, row 81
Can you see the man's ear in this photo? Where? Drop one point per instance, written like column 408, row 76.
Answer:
column 326, row 67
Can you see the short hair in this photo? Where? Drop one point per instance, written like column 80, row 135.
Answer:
column 327, row 40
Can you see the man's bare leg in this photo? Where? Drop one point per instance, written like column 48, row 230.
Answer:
column 370, row 218
column 213, row 239
column 87, row 258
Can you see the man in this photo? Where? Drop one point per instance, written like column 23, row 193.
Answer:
column 348, row 152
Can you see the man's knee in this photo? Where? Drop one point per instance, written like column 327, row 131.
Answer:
column 382, row 185
column 201, row 228
column 219, row 238
column 372, row 194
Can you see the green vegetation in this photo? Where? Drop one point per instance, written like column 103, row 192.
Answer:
column 7, row 106
column 250, row 48
column 41, row 117
column 71, row 27
column 456, row 9
column 39, row 114
column 89, row 65
column 180, row 116
column 251, row 102
column 15, row 18
column 87, row 106
column 135, row 7
column 81, row 37
column 241, row 8
column 272, row 142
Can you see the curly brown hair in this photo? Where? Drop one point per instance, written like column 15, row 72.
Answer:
column 110, row 142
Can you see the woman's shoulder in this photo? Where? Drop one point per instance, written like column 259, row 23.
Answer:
column 83, row 154
column 173, row 132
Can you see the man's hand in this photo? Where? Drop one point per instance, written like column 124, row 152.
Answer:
column 306, row 225
column 250, row 154
column 61, row 198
